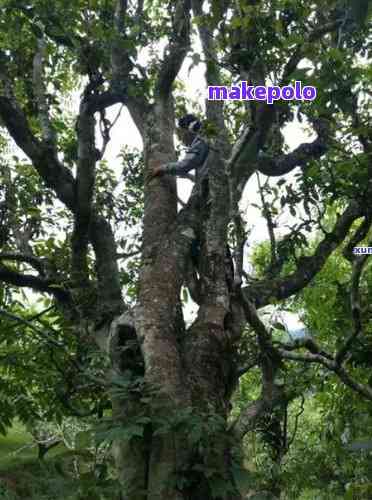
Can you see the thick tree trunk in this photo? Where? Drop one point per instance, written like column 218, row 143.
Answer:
column 187, row 371
column 171, row 465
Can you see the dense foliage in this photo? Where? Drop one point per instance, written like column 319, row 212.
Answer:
column 99, row 261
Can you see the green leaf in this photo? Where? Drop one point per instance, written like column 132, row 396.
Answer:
column 83, row 439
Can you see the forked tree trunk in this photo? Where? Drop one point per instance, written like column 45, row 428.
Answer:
column 188, row 369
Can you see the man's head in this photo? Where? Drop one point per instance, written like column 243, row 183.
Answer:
column 188, row 127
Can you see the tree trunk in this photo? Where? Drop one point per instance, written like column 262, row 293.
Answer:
column 185, row 372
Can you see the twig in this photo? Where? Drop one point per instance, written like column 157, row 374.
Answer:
column 270, row 224
column 105, row 128
column 358, row 264
column 302, row 409
column 37, row 330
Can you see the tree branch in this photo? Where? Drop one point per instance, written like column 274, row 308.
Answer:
column 43, row 157
column 358, row 236
column 299, row 51
column 33, row 261
column 238, row 252
column 105, row 249
column 281, row 288
column 242, row 370
column 242, row 161
column 60, row 179
column 362, row 389
column 176, row 49
column 250, row 417
column 103, row 100
column 85, row 179
column 120, row 62
column 270, row 225
column 27, row 280
column 48, row 132
column 299, row 157
column 37, row 330
column 358, row 264
column 213, row 75
column 122, row 65
column 105, row 129
column 306, row 342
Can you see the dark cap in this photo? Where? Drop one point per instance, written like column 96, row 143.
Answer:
column 189, row 122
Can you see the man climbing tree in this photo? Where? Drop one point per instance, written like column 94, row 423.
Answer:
column 196, row 154
column 195, row 158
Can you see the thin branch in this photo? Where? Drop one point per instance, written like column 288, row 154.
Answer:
column 238, row 254
column 306, row 358
column 362, row 389
column 298, row 415
column 304, row 342
column 299, row 51
column 128, row 255
column 139, row 10
column 37, row 330
column 239, row 146
column 270, row 224
column 358, row 264
column 242, row 370
column 181, row 202
column 41, row 313
column 250, row 416
column 106, row 127
column 121, row 66
column 264, row 338
column 269, row 359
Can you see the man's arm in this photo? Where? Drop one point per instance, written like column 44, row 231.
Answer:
column 195, row 157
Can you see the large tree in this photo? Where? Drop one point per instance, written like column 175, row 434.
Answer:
column 180, row 441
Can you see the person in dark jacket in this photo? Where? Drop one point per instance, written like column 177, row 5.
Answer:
column 195, row 159
column 196, row 153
